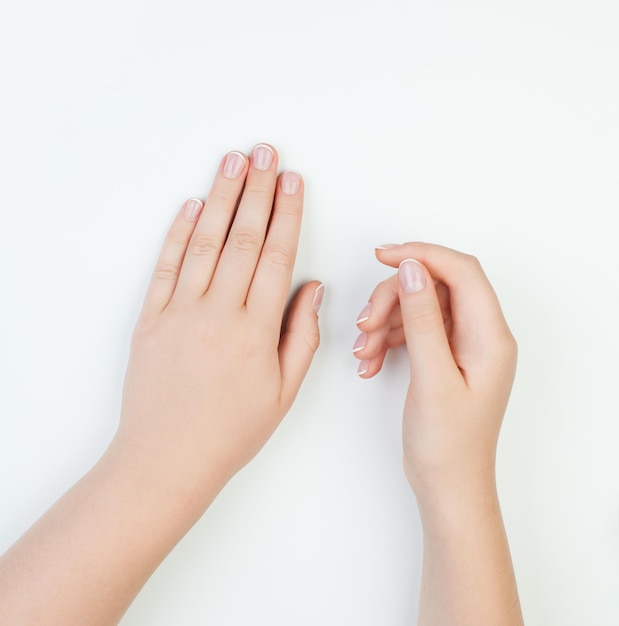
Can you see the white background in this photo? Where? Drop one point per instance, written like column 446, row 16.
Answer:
column 491, row 127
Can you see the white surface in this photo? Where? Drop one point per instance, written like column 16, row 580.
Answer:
column 489, row 127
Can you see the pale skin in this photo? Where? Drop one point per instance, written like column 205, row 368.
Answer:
column 208, row 381
column 462, row 359
column 212, row 373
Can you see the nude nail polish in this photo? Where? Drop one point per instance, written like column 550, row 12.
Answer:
column 193, row 206
column 318, row 296
column 262, row 157
column 412, row 276
column 362, row 341
column 388, row 246
column 290, row 183
column 365, row 313
column 364, row 366
column 234, row 165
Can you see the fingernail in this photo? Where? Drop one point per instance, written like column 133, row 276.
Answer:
column 193, row 206
column 318, row 296
column 412, row 276
column 387, row 246
column 234, row 165
column 262, row 157
column 365, row 313
column 364, row 366
column 290, row 182
column 362, row 341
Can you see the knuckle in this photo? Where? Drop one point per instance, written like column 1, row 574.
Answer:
column 166, row 271
column 245, row 240
column 472, row 260
column 290, row 209
column 260, row 191
column 220, row 196
column 178, row 237
column 145, row 329
column 504, row 346
column 424, row 318
column 278, row 255
column 510, row 346
column 204, row 244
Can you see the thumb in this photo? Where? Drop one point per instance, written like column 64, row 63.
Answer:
column 300, row 340
column 428, row 348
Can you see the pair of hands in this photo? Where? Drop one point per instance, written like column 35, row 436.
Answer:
column 212, row 372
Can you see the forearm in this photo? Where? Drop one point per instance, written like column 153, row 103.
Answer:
column 212, row 372
column 467, row 578
column 85, row 560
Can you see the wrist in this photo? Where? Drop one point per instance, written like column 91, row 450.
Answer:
column 461, row 511
column 446, row 478
column 444, row 496
column 162, row 482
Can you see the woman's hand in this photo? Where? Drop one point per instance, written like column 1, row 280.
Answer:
column 462, row 357
column 210, row 374
column 462, row 362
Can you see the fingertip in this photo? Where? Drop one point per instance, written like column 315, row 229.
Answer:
column 392, row 254
column 233, row 164
column 309, row 295
column 291, row 182
column 370, row 324
column 192, row 208
column 386, row 246
column 364, row 316
column 366, row 326
column 368, row 368
column 264, row 157
column 364, row 368
column 382, row 303
column 412, row 276
column 268, row 145
column 319, row 294
column 360, row 343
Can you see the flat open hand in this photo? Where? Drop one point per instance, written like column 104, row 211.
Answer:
column 211, row 374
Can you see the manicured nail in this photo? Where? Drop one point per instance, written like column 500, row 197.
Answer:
column 290, row 182
column 364, row 366
column 318, row 296
column 387, row 246
column 412, row 276
column 193, row 206
column 362, row 341
column 234, row 165
column 262, row 157
column 365, row 313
